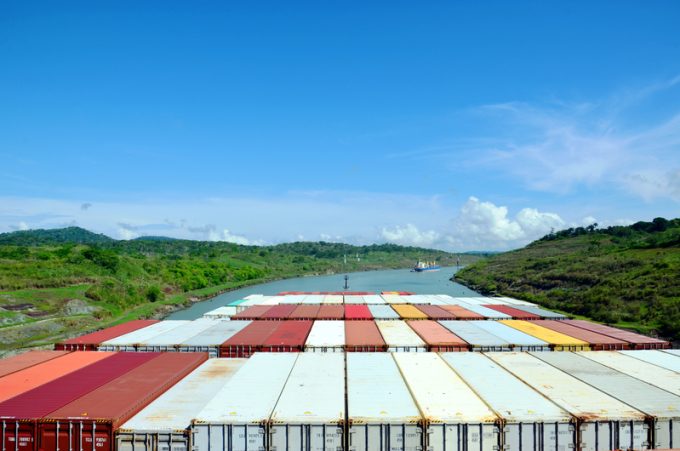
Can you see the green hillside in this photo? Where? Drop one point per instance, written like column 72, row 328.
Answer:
column 626, row 276
column 51, row 287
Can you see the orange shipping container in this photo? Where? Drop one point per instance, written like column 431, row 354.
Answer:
column 461, row 312
column 27, row 360
column 437, row 337
column 406, row 311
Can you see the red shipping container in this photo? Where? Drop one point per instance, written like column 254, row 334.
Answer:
column 91, row 341
column 254, row 312
column 249, row 340
column 21, row 413
column 289, row 336
column 515, row 313
column 435, row 312
column 305, row 312
column 331, row 311
column 88, row 423
column 635, row 341
column 357, row 311
column 462, row 312
column 279, row 312
column 598, row 342
column 26, row 360
column 437, row 337
column 363, row 336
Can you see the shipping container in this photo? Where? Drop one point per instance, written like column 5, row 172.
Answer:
column 541, row 312
column 557, row 341
column 278, row 312
column 435, row 312
column 326, row 336
column 381, row 413
column 253, row 312
column 91, row 341
column 406, row 311
column 374, row 299
column 478, row 339
column 513, row 301
column 597, row 342
column 392, row 298
column 29, row 378
column 331, row 311
column 249, row 340
column 462, row 313
column 305, row 312
column 210, row 339
column 515, row 313
column 658, row 358
column 332, row 299
column 437, row 337
column 26, row 360
column 129, row 341
column 416, row 299
column 399, row 337
column 529, row 420
column 88, row 423
column 650, row 373
column 454, row 416
column 253, row 299
column 314, row 299
column 483, row 300
column 363, row 336
column 383, row 312
column 237, row 302
column 289, row 336
column 486, row 312
column 604, row 423
column 169, row 341
column 292, row 299
column 19, row 414
column 224, row 312
column 276, row 300
column 476, row 300
column 636, row 341
column 164, row 424
column 675, row 352
column 310, row 413
column 353, row 299
column 662, row 406
column 519, row 341
column 357, row 312
column 433, row 299
column 237, row 418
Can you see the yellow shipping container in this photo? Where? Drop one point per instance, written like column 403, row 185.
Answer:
column 409, row 312
column 558, row 341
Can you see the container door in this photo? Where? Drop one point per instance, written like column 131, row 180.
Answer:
column 74, row 435
column 167, row 441
column 306, row 437
column 17, row 436
column 666, row 434
column 385, row 437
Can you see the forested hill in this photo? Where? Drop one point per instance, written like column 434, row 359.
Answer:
column 628, row 276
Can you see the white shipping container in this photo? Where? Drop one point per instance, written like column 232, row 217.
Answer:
column 604, row 423
column 488, row 301
column 169, row 340
column 663, row 406
column 514, row 301
column 326, row 336
column 393, row 299
column 433, row 300
column 675, row 352
column 129, row 341
column 530, row 421
column 518, row 339
column 373, row 299
column 543, row 313
column 399, row 337
column 484, row 311
column 237, row 417
column 652, row 374
column 332, row 299
column 210, row 339
column 382, row 414
column 310, row 413
column 455, row 417
column 658, row 358
column 313, row 299
column 254, row 299
column 276, row 300
column 383, row 312
column 164, row 424
column 479, row 339
column 470, row 301
column 353, row 299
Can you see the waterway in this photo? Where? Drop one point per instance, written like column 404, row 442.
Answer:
column 376, row 281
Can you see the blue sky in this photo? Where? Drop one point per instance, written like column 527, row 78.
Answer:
column 452, row 125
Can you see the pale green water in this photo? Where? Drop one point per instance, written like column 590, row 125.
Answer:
column 376, row 281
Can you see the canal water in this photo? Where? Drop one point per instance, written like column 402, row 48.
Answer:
column 376, row 281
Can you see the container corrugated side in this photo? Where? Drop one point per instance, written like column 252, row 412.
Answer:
column 164, row 424
column 169, row 341
column 478, row 339
column 363, row 336
column 454, row 416
column 515, row 313
column 658, row 358
column 98, row 414
column 383, row 312
column 399, row 337
column 26, row 360
column 381, row 413
column 237, row 418
column 529, row 420
column 652, row 374
column 326, row 336
column 604, row 423
column 91, row 341
column 517, row 339
column 128, row 342
column 249, row 340
column 541, row 312
column 662, row 406
column 557, row 341
column 636, row 341
column 289, row 336
column 437, row 337
column 597, row 342
column 210, row 339
column 310, row 413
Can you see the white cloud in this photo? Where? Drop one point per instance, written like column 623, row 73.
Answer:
column 226, row 235
column 409, row 235
column 126, row 233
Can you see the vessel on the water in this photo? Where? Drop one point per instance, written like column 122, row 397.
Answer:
column 426, row 266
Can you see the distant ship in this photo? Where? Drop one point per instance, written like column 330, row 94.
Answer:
column 426, row 266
